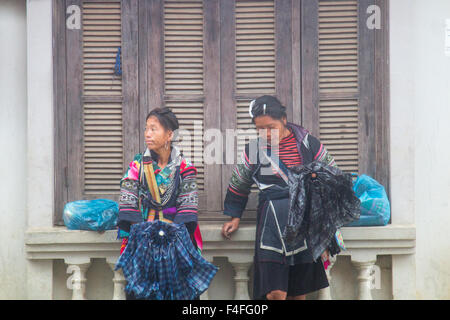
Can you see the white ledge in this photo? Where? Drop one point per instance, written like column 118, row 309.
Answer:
column 363, row 243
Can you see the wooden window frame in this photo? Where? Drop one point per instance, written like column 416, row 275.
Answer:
column 296, row 83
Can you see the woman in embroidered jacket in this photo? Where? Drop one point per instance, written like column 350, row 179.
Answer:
column 279, row 272
column 175, row 177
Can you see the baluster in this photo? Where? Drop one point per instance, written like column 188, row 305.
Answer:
column 119, row 281
column 77, row 281
column 325, row 293
column 241, row 279
column 205, row 295
column 364, row 277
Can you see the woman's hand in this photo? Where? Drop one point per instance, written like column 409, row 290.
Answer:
column 230, row 227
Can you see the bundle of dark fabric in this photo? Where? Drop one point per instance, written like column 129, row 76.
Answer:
column 321, row 200
column 161, row 263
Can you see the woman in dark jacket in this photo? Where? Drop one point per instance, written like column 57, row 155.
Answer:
column 280, row 271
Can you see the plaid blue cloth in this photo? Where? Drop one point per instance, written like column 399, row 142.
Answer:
column 161, row 263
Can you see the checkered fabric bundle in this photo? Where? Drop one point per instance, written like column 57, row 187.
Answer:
column 161, row 263
column 319, row 206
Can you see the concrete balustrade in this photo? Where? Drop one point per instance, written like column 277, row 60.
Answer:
column 78, row 248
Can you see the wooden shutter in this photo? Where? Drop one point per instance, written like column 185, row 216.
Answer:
column 102, row 98
column 183, row 75
column 101, row 107
column 255, row 47
column 206, row 60
column 338, row 81
column 255, row 60
column 255, row 63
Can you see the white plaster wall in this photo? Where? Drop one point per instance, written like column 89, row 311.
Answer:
column 40, row 113
column 40, row 175
column 13, row 139
column 420, row 133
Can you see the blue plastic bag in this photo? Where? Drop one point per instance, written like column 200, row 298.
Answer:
column 375, row 206
column 95, row 215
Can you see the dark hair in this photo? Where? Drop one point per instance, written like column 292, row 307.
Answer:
column 166, row 117
column 273, row 108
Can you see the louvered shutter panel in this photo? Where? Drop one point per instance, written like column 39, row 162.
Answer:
column 102, row 99
column 338, row 81
column 255, row 60
column 183, row 75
